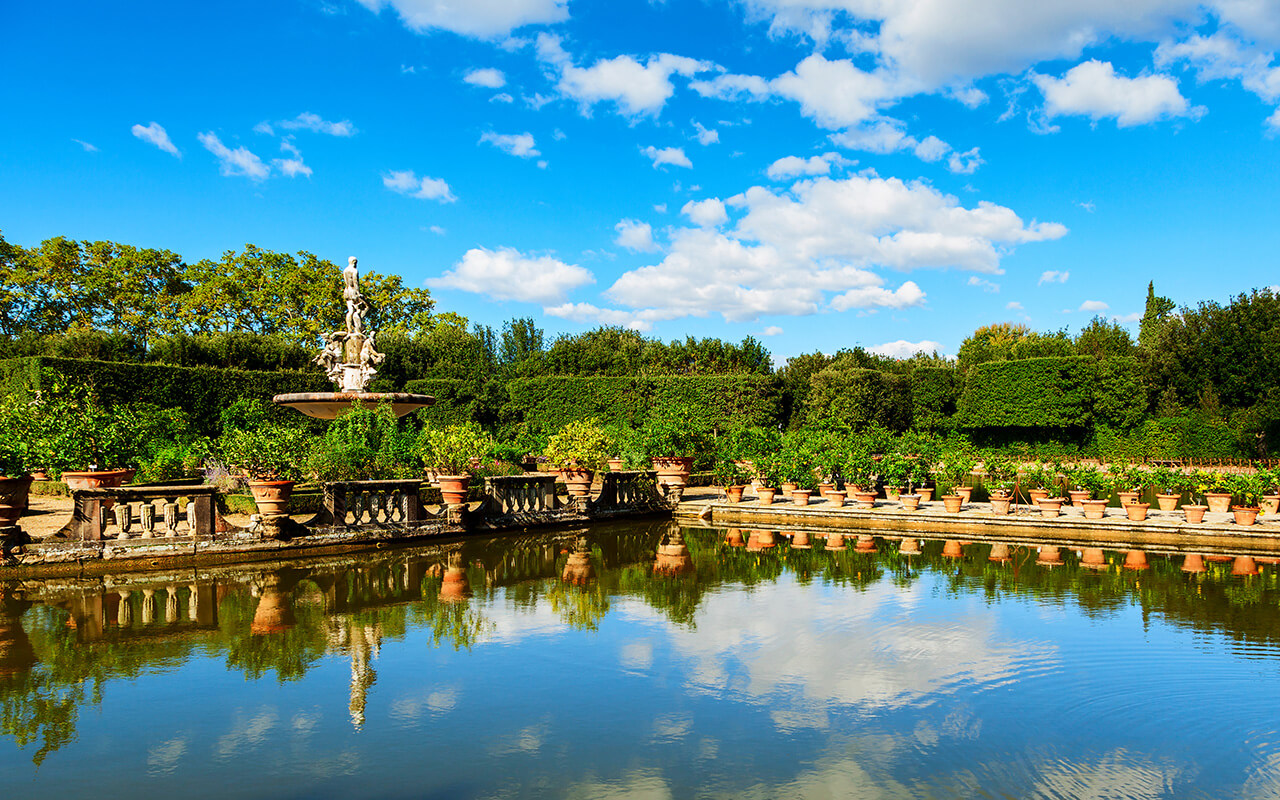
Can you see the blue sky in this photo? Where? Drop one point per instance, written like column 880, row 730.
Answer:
column 816, row 173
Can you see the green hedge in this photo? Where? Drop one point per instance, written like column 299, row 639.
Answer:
column 1189, row 435
column 545, row 404
column 457, row 401
column 203, row 392
column 934, row 394
column 1029, row 393
column 858, row 398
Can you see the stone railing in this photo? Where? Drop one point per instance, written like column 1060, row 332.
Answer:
column 531, row 493
column 370, row 504
column 131, row 512
column 628, row 491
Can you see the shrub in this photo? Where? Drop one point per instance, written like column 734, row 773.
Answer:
column 582, row 444
column 450, row 450
column 268, row 452
column 365, row 444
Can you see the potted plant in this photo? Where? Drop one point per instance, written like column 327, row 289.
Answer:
column 364, row 444
column 89, row 445
column 449, row 452
column 1098, row 484
column 1247, row 489
column 15, row 482
column 1129, row 480
column 1198, row 483
column 672, row 433
column 578, row 450
column 894, row 471
column 1218, row 493
column 1051, row 504
column 1169, row 485
column 273, row 457
column 770, row 468
column 731, row 478
column 798, row 470
column 1269, row 485
column 955, row 467
column 1036, row 479
column 858, row 470
column 1001, row 479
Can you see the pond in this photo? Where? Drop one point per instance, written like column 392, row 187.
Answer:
column 648, row 660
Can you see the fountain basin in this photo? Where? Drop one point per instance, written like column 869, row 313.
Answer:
column 331, row 405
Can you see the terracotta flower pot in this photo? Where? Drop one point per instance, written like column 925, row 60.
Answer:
column 865, row 499
column 1219, row 502
column 1050, row 507
column 453, row 489
column 1194, row 514
column 615, row 465
column 926, row 494
column 577, row 480
column 953, row 502
column 1000, row 505
column 910, row 502
column 786, row 489
column 892, row 493
column 1078, row 496
column 825, row 488
column 100, row 479
column 272, row 497
column 733, row 494
column 1245, row 515
column 673, row 470
column 1094, row 509
column 1137, row 511
column 1270, row 503
column 764, row 495
column 836, row 499
column 800, row 497
column 1127, row 497
column 1167, row 502
column 14, row 498
column 965, row 492
column 1036, row 495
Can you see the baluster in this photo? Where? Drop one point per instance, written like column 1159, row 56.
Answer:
column 148, row 520
column 379, row 513
column 397, row 502
column 124, row 518
column 191, row 518
column 170, row 519
column 368, row 506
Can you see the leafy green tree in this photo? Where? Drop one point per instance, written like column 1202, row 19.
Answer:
column 1157, row 311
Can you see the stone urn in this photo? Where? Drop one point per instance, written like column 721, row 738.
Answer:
column 1050, row 507
column 1137, row 512
column 1194, row 513
column 453, row 489
column 272, row 497
column 673, row 470
column 1167, row 502
column 1094, row 509
column 577, row 481
column 15, row 495
column 953, row 503
column 1219, row 502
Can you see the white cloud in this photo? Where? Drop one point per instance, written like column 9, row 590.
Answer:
column 835, row 94
column 437, row 230
column 904, row 349
column 637, row 89
column 483, row 19
column 1222, row 56
column 314, row 123
column 1128, row 319
column 502, row 97
column 237, row 162
column 155, row 134
column 1054, row 276
column 635, row 236
column 772, row 330
column 705, row 136
column 292, row 166
column 1093, row 305
column 488, row 77
column 986, row 285
column 905, row 296
column 407, row 183
column 641, row 320
column 88, row 148
column 508, row 274
column 661, row 208
column 1093, row 89
column 708, row 213
column 965, row 163
column 516, row 144
column 264, row 128
column 887, row 135
column 1013, row 305
column 792, row 166
column 733, row 87
column 668, row 155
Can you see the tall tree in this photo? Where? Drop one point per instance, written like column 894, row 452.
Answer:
column 1157, row 311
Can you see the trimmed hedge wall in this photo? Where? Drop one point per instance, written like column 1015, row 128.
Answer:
column 546, row 404
column 203, row 392
column 457, row 401
column 1029, row 393
column 934, row 394
column 859, row 398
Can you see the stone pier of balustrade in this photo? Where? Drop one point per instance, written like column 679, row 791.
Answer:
column 131, row 512
column 370, row 505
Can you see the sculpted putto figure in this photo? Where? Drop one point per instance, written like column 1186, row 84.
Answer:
column 357, row 306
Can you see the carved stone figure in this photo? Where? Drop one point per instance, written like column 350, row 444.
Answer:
column 349, row 357
column 357, row 306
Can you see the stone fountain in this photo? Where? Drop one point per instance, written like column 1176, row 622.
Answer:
column 350, row 359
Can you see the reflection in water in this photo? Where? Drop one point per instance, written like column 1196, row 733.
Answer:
column 865, row 667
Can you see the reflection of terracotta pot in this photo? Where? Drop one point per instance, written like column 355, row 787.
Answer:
column 453, row 489
column 1093, row 558
column 455, row 588
column 733, row 537
column 1127, row 498
column 15, row 495
column 1094, row 509
column 272, row 497
column 1219, row 502
column 1167, row 502
column 800, row 540
column 274, row 612
column 577, row 481
column 865, row 499
column 1245, row 515
column 764, row 495
column 1000, row 505
column 952, row 549
column 926, row 494
column 1050, row 507
column 16, row 652
column 800, row 496
column 1078, row 496
column 836, row 499
column 865, row 544
column 1049, row 556
column 999, row 552
column 578, row 569
column 1135, row 559
column 835, row 540
column 1194, row 562
column 761, row 541
column 1137, row 511
column 965, row 492
column 909, row 547
column 1194, row 514
column 1243, row 565
column 733, row 494
column 953, row 502
column 910, row 502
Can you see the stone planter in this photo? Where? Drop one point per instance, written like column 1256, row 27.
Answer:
column 733, row 494
column 1167, row 502
column 953, row 502
column 1270, row 503
column 1194, row 514
column 764, row 495
column 1219, row 502
column 800, row 497
column 865, row 499
column 453, row 489
column 1000, row 505
column 1078, row 496
column 910, row 502
column 673, row 470
column 1050, row 508
column 577, row 481
column 835, row 498
column 1137, row 511
column 272, row 497
column 1245, row 515
column 1094, row 509
column 14, row 497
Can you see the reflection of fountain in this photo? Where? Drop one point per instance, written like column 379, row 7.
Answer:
column 362, row 643
column 673, row 557
column 349, row 359
column 578, row 569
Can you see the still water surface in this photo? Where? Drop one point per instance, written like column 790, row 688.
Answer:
column 606, row 665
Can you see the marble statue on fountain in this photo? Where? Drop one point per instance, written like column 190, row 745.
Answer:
column 349, row 357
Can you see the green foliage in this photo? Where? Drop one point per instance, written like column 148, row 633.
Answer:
column 450, row 450
column 1033, row 392
column 267, row 452
column 895, row 469
column 935, row 392
column 674, row 428
column 583, row 444
column 1246, row 489
column 854, row 399
column 1119, row 399
column 747, row 443
column 1002, row 473
column 365, row 444
column 1006, row 341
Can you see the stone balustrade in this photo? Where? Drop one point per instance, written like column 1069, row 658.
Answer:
column 531, row 493
column 377, row 504
column 142, row 512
